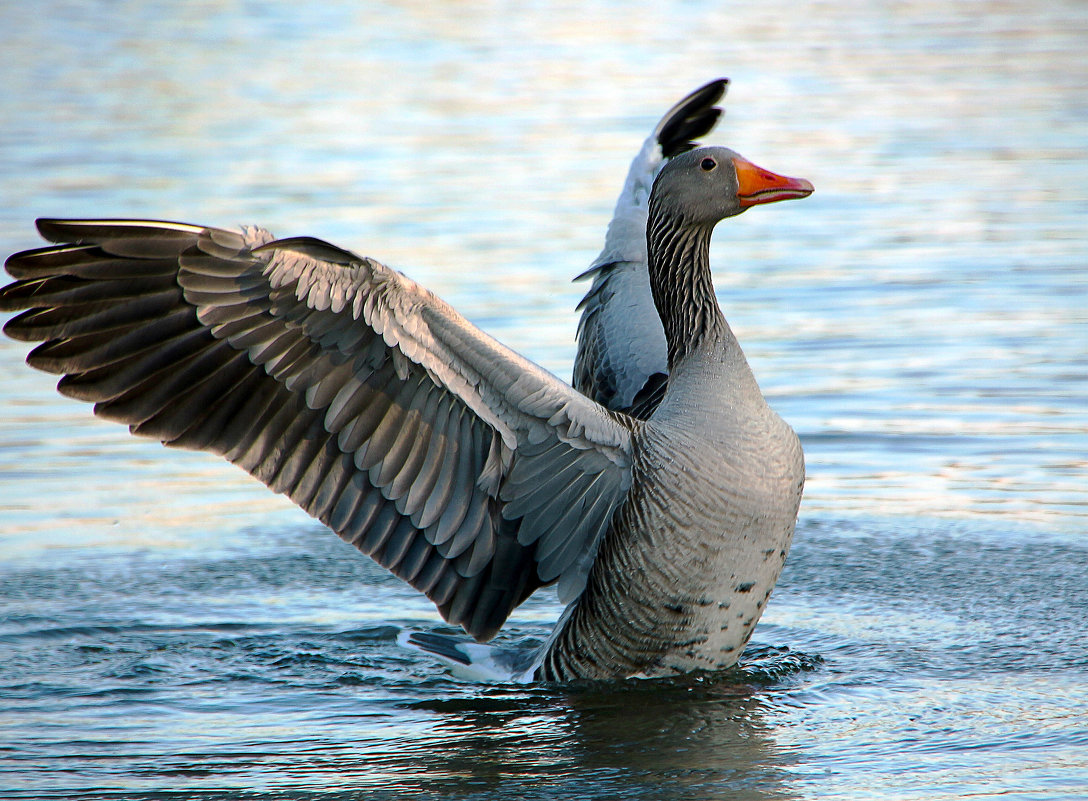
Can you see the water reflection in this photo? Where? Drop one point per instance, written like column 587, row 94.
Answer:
column 655, row 739
column 710, row 741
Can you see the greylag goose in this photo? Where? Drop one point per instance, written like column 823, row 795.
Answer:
column 460, row 466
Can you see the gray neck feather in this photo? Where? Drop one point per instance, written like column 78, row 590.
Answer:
column 680, row 280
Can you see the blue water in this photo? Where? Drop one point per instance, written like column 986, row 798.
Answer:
column 170, row 629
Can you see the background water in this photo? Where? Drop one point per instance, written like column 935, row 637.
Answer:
column 170, row 629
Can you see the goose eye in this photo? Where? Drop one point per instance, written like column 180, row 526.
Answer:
column 708, row 164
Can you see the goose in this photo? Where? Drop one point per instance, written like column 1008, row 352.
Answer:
column 463, row 468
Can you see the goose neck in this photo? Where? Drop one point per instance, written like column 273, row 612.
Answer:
column 681, row 284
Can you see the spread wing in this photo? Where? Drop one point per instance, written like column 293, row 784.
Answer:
column 463, row 468
column 622, row 362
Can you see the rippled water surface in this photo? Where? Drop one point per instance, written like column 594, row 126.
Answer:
column 170, row 629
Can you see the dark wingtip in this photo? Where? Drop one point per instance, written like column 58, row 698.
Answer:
column 693, row 117
column 16, row 296
column 95, row 231
column 440, row 645
column 52, row 229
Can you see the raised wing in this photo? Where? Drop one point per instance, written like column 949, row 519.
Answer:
column 622, row 362
column 463, row 468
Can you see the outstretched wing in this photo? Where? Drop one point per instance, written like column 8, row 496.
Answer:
column 465, row 469
column 622, row 362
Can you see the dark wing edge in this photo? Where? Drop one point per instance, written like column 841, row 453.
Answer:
column 463, row 468
column 690, row 119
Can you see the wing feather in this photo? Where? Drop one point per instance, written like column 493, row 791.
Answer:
column 342, row 384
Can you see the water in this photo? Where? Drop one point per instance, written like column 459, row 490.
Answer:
column 170, row 629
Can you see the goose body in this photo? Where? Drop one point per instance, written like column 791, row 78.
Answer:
column 689, row 572
column 460, row 466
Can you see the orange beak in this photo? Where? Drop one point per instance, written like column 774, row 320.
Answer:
column 757, row 185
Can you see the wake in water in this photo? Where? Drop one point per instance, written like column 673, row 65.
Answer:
column 516, row 664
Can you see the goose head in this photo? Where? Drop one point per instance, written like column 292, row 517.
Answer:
column 692, row 193
column 708, row 184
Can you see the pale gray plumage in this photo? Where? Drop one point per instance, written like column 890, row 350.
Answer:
column 465, row 469
column 693, row 553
